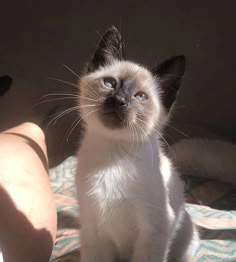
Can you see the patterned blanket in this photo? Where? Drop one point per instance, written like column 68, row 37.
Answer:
column 210, row 204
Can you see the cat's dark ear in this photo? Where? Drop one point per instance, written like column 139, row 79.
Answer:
column 110, row 48
column 5, row 83
column 170, row 74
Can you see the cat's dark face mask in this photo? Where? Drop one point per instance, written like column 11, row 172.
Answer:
column 118, row 103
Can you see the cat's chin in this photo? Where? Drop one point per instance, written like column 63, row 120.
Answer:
column 119, row 133
column 114, row 129
column 108, row 132
column 112, row 120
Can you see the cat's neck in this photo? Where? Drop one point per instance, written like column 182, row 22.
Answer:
column 100, row 145
column 99, row 141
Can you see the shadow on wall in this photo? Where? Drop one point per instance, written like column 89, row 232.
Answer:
column 38, row 38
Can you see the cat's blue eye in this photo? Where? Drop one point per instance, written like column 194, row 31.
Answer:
column 109, row 82
column 141, row 96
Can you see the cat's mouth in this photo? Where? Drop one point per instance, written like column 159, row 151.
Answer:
column 114, row 118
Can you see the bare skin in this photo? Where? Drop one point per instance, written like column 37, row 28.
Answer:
column 28, row 218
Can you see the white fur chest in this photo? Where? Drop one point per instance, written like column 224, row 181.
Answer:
column 106, row 198
column 116, row 197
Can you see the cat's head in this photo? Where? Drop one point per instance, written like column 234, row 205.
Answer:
column 122, row 98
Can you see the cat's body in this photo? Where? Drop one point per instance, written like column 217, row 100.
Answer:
column 130, row 205
column 131, row 198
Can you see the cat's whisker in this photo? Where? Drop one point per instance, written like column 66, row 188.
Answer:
column 87, row 105
column 181, row 132
column 133, row 138
column 72, row 95
column 99, row 34
column 57, row 113
column 94, row 93
column 129, row 126
column 137, row 140
column 148, row 140
column 54, row 99
column 72, row 71
column 91, row 90
column 61, row 114
column 173, row 152
column 144, row 136
column 164, row 140
column 71, row 126
column 60, row 94
column 65, row 98
column 90, row 99
column 79, row 77
column 63, row 81
column 79, row 120
column 76, row 107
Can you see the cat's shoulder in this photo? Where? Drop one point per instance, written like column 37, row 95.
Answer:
column 169, row 172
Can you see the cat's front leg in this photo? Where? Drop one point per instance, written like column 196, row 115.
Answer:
column 185, row 242
column 95, row 249
column 151, row 247
column 93, row 253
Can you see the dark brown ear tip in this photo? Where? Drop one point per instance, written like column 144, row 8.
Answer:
column 110, row 48
column 112, row 28
column 179, row 58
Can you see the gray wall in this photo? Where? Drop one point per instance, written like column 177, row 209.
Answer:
column 38, row 37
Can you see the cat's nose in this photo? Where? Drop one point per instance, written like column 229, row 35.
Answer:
column 121, row 101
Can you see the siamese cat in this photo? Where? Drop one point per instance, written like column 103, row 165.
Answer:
column 130, row 195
